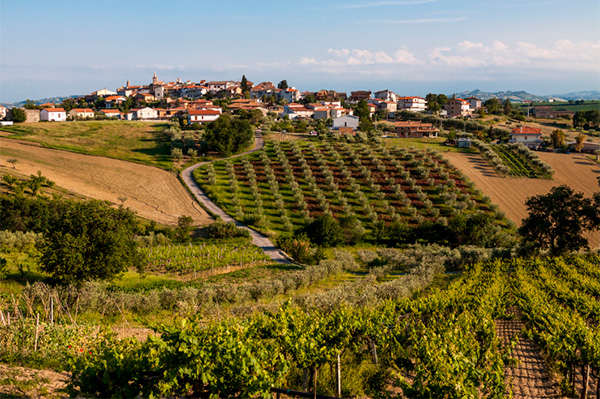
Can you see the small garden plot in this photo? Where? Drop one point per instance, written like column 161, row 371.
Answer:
column 288, row 184
column 522, row 162
column 187, row 258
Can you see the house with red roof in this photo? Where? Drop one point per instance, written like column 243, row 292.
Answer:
column 415, row 129
column 53, row 114
column 203, row 115
column 458, row 107
column 527, row 135
column 110, row 113
column 79, row 113
column 291, row 94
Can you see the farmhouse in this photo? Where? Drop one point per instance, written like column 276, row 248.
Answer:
column 76, row 113
column 2, row 112
column 53, row 114
column 145, row 113
column 526, row 135
column 415, row 129
column 203, row 115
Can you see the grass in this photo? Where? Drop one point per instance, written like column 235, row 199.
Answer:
column 563, row 106
column 138, row 142
column 422, row 144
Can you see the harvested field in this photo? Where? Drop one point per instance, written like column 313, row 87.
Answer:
column 153, row 193
column 575, row 170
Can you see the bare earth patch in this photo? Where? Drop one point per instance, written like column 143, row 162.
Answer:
column 20, row 382
column 529, row 379
column 153, row 193
column 574, row 170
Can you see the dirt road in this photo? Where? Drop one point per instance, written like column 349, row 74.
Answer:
column 258, row 239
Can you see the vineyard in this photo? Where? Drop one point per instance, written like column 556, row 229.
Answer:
column 188, row 258
column 342, row 179
column 522, row 162
column 440, row 344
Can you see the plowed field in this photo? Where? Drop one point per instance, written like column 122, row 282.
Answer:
column 575, row 170
column 153, row 193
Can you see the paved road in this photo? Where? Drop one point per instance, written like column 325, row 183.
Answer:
column 258, row 239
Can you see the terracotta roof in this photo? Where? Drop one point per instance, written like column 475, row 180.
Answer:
column 55, row 109
column 83, row 110
column 204, row 112
column 526, row 130
column 410, row 98
column 110, row 111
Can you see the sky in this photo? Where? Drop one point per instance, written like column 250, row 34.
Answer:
column 411, row 47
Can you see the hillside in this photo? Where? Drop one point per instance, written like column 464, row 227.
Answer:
column 153, row 193
column 523, row 95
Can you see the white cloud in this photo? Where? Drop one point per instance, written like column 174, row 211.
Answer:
column 307, row 61
column 339, row 53
column 561, row 55
column 346, row 57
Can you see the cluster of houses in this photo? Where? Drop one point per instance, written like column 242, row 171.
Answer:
column 184, row 99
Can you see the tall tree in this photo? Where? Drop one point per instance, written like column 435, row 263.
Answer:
column 579, row 142
column 228, row 135
column 283, row 85
column 244, row 84
column 507, row 107
column 18, row 115
column 557, row 220
column 89, row 240
column 557, row 138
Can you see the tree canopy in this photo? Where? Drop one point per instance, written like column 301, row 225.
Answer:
column 88, row 240
column 229, row 135
column 557, row 220
column 282, row 85
column 18, row 115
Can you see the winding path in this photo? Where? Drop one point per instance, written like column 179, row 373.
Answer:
column 258, row 239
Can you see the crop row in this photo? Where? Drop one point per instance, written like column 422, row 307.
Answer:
column 290, row 183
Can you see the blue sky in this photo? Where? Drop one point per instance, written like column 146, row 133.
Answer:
column 412, row 47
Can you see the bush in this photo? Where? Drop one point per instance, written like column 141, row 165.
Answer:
column 324, row 230
column 220, row 229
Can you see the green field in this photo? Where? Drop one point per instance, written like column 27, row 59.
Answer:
column 390, row 183
column 563, row 106
column 130, row 141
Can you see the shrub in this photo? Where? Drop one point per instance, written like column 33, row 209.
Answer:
column 220, row 229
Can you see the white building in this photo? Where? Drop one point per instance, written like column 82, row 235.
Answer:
column 291, row 94
column 346, row 121
column 526, row 135
column 387, row 95
column 111, row 113
column 145, row 113
column 53, row 114
column 413, row 104
column 203, row 115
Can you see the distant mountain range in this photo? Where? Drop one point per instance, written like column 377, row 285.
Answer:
column 523, row 95
column 55, row 100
